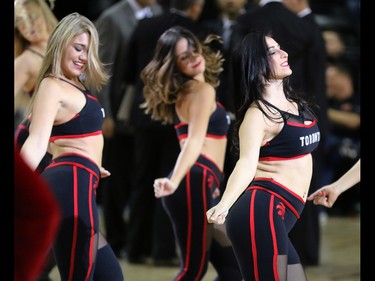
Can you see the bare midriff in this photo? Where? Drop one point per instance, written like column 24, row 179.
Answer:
column 295, row 174
column 214, row 149
column 91, row 147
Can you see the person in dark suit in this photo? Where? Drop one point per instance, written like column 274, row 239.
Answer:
column 89, row 8
column 223, row 25
column 155, row 145
column 115, row 26
column 306, row 233
column 306, row 58
column 344, row 143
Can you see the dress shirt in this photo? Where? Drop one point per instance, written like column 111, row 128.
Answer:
column 140, row 12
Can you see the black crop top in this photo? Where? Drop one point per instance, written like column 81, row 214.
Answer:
column 88, row 122
column 295, row 139
column 218, row 124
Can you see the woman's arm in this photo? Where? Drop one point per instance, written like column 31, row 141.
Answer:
column 199, row 111
column 251, row 135
column 45, row 108
column 328, row 194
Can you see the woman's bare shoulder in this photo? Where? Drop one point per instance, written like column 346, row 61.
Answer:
column 51, row 87
column 26, row 60
column 202, row 90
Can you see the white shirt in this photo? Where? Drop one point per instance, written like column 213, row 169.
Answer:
column 140, row 12
column 227, row 31
column 304, row 12
column 264, row 2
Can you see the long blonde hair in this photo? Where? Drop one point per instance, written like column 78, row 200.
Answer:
column 25, row 11
column 68, row 28
column 163, row 82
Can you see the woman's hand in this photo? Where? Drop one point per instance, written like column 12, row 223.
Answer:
column 164, row 187
column 325, row 196
column 217, row 214
column 104, row 173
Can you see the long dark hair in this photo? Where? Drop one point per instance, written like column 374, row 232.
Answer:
column 163, row 82
column 251, row 73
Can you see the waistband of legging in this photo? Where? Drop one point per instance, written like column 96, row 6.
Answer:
column 205, row 161
column 291, row 199
column 76, row 159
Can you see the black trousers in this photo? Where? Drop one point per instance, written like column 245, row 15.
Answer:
column 150, row 231
column 115, row 190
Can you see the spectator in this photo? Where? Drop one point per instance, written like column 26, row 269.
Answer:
column 307, row 228
column 115, row 26
column 229, row 11
column 343, row 145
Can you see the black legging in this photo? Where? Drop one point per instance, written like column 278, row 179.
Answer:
column 258, row 225
column 73, row 179
column 195, row 238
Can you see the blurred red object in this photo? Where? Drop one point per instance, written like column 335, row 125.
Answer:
column 36, row 221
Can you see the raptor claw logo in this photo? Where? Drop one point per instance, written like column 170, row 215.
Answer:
column 281, row 210
column 210, row 181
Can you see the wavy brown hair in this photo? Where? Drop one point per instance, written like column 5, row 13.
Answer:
column 164, row 83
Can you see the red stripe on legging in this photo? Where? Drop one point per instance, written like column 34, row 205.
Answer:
column 92, row 229
column 252, row 234
column 75, row 223
column 274, row 242
column 204, row 234
column 188, row 240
